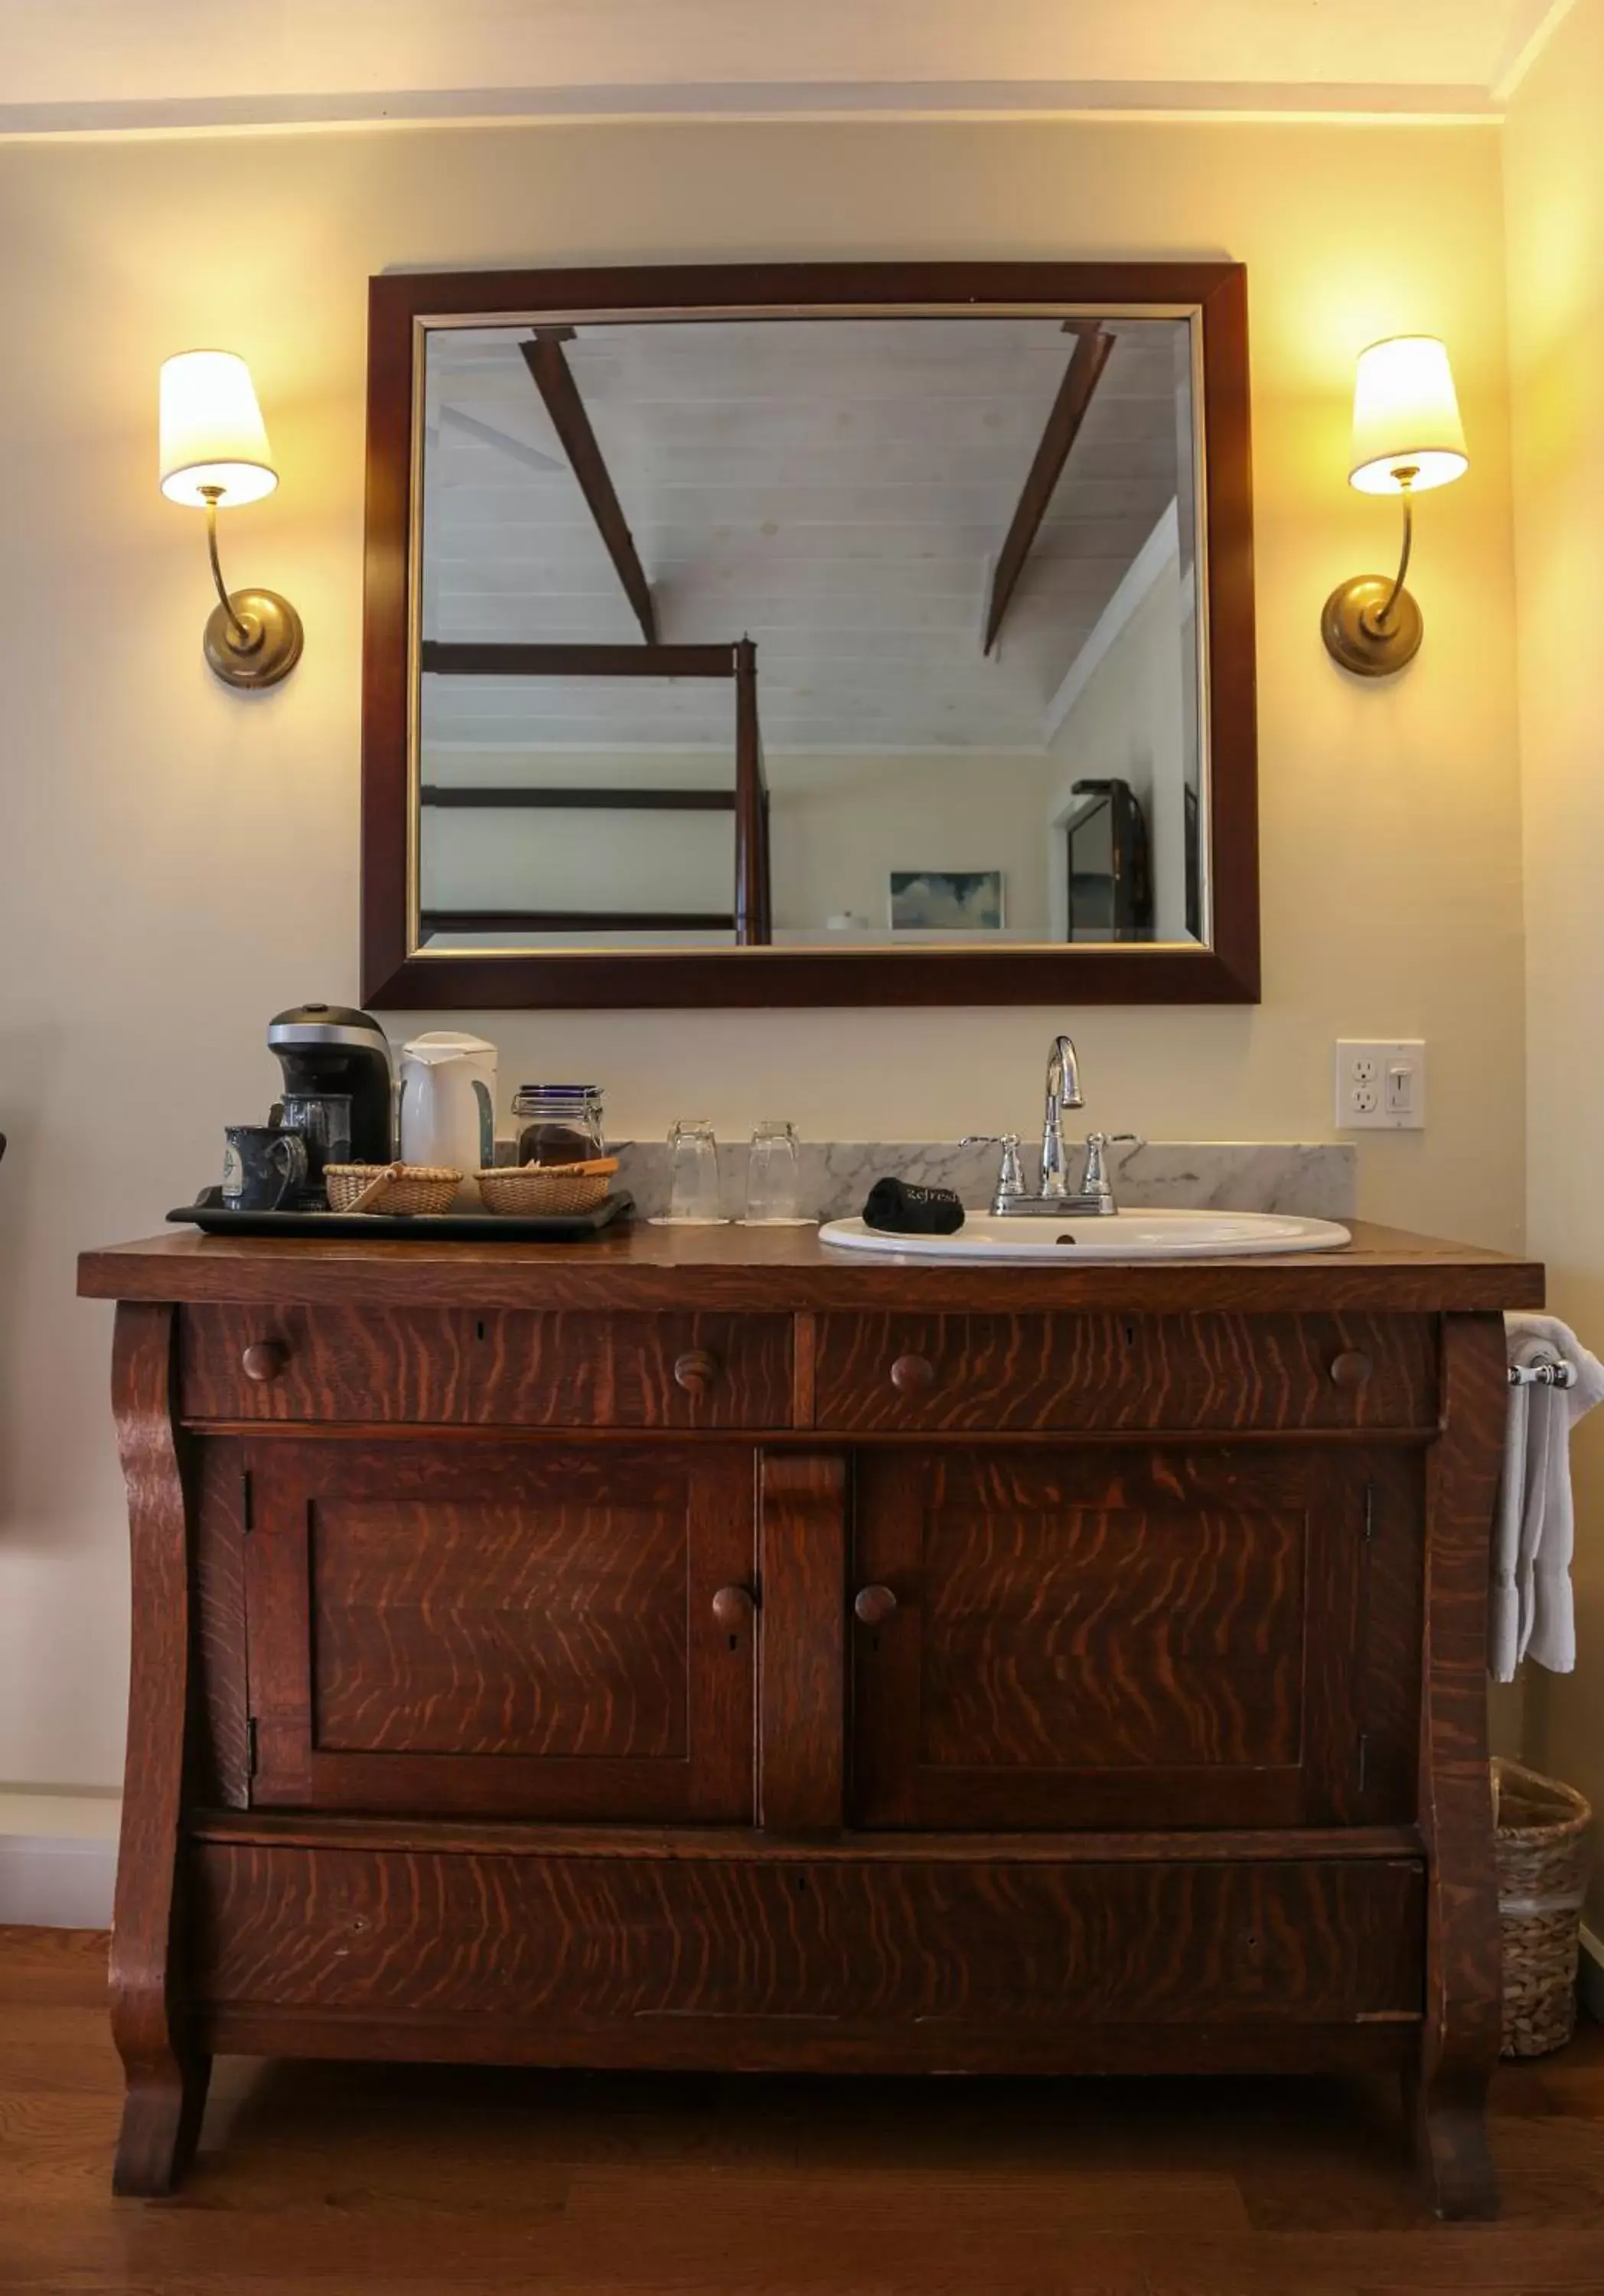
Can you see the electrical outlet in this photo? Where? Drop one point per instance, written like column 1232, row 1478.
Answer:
column 1381, row 1087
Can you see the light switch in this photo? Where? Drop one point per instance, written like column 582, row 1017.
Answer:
column 1380, row 1086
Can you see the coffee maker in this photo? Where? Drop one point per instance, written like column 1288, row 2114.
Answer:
column 334, row 1048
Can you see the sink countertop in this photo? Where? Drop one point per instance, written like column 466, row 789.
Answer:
column 788, row 1269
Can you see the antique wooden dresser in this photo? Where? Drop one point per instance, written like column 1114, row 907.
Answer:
column 693, row 1649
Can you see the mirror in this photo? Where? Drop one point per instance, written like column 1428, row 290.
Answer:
column 808, row 652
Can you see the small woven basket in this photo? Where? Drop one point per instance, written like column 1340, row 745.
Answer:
column 1542, row 1850
column 529, row 1190
column 415, row 1188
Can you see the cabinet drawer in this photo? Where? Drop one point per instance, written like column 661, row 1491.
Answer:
column 506, row 1367
column 810, row 1950
column 1117, row 1372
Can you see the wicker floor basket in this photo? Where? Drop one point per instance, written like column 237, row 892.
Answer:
column 1544, row 1855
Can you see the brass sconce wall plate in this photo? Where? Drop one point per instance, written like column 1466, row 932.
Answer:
column 272, row 639
column 1357, row 636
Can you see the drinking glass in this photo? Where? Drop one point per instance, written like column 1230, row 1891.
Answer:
column 773, row 1190
column 693, row 1196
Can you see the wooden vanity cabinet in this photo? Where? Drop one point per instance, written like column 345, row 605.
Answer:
column 696, row 1650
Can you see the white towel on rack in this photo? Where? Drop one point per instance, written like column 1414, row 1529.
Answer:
column 1533, row 1614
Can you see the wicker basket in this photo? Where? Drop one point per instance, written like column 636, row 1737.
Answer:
column 416, row 1188
column 526, row 1191
column 1542, row 1860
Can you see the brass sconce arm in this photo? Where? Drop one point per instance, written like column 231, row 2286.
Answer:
column 253, row 637
column 1369, row 624
column 244, row 639
column 1383, row 612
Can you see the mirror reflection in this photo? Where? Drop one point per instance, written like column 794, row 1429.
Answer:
column 812, row 632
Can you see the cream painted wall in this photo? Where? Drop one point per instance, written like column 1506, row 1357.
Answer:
column 177, row 863
column 1554, row 190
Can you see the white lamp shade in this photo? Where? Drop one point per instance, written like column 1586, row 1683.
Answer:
column 1406, row 418
column 212, row 432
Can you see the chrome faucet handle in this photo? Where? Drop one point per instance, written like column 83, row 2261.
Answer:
column 1011, row 1178
column 1094, row 1180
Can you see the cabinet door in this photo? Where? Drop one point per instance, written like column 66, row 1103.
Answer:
column 1147, row 1639
column 499, row 1628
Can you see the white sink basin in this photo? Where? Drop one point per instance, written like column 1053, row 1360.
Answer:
column 1123, row 1235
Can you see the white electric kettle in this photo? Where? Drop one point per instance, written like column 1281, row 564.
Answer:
column 448, row 1102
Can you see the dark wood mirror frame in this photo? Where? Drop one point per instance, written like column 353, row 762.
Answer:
column 396, row 975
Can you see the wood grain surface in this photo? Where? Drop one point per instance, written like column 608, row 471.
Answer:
column 622, row 1668
column 1461, row 2039
column 1116, row 1372
column 489, row 1627
column 150, row 2012
column 423, row 1364
column 1104, row 1637
column 218, row 1646
column 783, row 1270
column 803, row 1708
column 961, row 1943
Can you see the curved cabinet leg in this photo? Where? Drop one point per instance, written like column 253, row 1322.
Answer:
column 1447, row 2093
column 160, row 2123
column 166, row 2076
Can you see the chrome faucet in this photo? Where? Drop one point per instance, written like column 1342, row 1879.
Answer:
column 1054, row 1198
column 1063, row 1091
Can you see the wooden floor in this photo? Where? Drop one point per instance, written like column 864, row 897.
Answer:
column 369, row 2181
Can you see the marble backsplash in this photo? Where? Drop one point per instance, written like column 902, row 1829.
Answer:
column 1317, row 1179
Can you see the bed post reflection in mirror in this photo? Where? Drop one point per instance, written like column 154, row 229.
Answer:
column 754, row 893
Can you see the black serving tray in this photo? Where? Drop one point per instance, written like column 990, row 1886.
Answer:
column 212, row 1217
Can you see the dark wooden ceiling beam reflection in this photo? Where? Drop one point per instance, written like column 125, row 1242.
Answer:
column 553, row 378
column 1092, row 347
column 471, row 658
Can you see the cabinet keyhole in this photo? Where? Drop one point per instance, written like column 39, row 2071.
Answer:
column 478, row 1330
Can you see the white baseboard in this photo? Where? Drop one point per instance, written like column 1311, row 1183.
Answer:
column 58, row 1858
column 1589, row 1982
column 52, row 1882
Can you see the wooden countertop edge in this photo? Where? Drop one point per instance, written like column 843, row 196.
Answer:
column 789, row 1271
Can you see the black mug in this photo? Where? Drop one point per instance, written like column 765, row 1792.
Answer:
column 264, row 1167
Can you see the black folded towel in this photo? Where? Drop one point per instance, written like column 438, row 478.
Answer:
column 896, row 1208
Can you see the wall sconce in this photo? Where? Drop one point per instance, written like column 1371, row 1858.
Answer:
column 1407, row 437
column 214, row 451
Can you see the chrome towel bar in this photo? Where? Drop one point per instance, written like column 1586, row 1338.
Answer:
column 1548, row 1375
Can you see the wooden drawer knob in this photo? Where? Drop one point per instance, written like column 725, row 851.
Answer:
column 874, row 1604
column 912, row 1374
column 733, row 1608
column 264, row 1359
column 1351, row 1369
column 695, row 1371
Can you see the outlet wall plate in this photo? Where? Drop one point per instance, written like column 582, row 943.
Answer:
column 1380, row 1084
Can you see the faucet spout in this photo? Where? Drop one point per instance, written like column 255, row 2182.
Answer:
column 1063, row 1091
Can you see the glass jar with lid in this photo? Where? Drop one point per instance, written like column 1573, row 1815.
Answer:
column 562, row 1123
